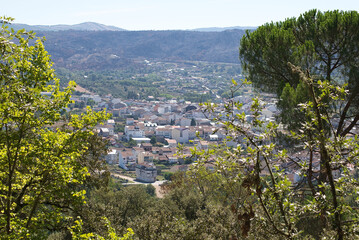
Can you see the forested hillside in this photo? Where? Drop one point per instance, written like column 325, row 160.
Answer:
column 114, row 49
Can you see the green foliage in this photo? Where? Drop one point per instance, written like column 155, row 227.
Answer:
column 119, row 127
column 196, row 97
column 76, row 232
column 167, row 175
column 251, row 181
column 322, row 44
column 311, row 63
column 193, row 122
column 120, row 206
column 131, row 143
column 153, row 140
column 90, row 103
column 142, row 80
column 41, row 152
column 288, row 102
column 97, row 50
column 150, row 190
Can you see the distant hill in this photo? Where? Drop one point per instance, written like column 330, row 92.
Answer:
column 92, row 26
column 220, row 29
column 86, row 26
column 115, row 49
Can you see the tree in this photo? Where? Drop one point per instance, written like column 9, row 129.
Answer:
column 119, row 127
column 40, row 156
column 151, row 190
column 131, row 143
column 323, row 44
column 77, row 234
column 252, row 178
column 153, row 140
column 193, row 122
column 90, row 102
column 119, row 206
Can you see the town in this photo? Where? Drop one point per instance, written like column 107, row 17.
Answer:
column 143, row 135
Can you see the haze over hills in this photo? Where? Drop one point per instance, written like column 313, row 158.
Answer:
column 86, row 26
column 93, row 26
column 220, row 29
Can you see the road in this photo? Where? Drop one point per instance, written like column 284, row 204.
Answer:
column 156, row 184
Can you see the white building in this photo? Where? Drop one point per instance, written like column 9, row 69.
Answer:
column 134, row 132
column 112, row 157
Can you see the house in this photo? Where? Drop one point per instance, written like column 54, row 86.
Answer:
column 133, row 132
column 172, row 158
column 164, row 131
column 162, row 121
column 117, row 103
column 126, row 159
column 146, row 173
column 156, row 150
column 145, row 157
column 192, row 132
column 111, row 122
column 198, row 114
column 213, row 137
column 149, row 134
column 203, row 145
column 86, row 97
column 112, row 157
column 104, row 132
column 207, row 131
column 183, row 122
column 171, row 117
column 103, row 105
column 142, row 139
column 164, row 109
column 139, row 112
column 163, row 158
column 149, row 126
column 171, row 142
column 115, row 112
column 147, row 146
column 123, row 111
column 136, row 151
column 204, row 122
column 181, row 135
column 111, row 129
column 130, row 121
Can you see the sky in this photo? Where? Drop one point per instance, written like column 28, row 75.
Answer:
column 164, row 14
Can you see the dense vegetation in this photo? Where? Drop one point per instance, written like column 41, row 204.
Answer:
column 310, row 62
column 112, row 50
column 46, row 160
column 177, row 80
column 324, row 45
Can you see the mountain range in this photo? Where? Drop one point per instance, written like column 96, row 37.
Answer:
column 97, row 47
column 93, row 26
column 221, row 29
column 86, row 26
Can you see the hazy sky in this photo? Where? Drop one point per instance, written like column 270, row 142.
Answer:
column 164, row 14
